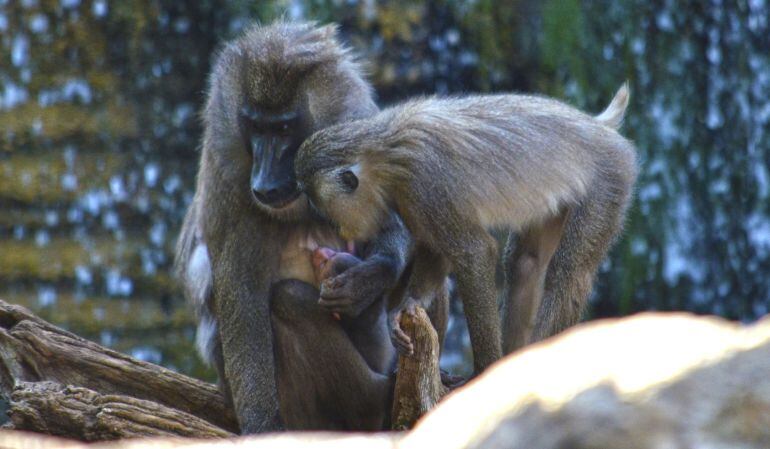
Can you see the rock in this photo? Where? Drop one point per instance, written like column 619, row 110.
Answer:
column 649, row 381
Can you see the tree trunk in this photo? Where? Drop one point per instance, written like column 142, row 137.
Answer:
column 647, row 381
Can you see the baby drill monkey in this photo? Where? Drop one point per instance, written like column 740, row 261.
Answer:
column 328, row 263
column 367, row 330
column 455, row 168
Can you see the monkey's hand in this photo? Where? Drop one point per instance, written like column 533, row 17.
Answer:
column 355, row 289
column 398, row 337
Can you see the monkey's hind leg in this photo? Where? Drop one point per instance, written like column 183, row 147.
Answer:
column 591, row 228
column 527, row 260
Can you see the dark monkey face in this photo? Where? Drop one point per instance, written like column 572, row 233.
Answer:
column 271, row 139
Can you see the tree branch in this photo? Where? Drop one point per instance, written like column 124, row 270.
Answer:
column 77, row 412
column 32, row 350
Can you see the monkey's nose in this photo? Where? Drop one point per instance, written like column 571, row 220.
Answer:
column 276, row 195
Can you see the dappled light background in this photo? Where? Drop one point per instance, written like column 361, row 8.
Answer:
column 99, row 140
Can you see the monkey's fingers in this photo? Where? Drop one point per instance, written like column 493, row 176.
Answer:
column 335, row 289
column 332, row 284
column 341, row 305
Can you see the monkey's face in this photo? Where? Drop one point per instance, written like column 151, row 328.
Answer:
column 260, row 112
column 272, row 139
column 271, row 89
column 270, row 124
column 341, row 186
column 343, row 195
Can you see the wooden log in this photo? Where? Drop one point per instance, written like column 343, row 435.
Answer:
column 418, row 380
column 84, row 414
column 87, row 377
column 32, row 350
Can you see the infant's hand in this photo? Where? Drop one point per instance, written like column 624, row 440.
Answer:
column 328, row 263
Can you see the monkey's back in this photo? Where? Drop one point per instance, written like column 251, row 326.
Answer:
column 507, row 159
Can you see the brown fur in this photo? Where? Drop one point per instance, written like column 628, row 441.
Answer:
column 454, row 168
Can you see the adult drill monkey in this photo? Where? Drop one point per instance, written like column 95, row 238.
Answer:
column 453, row 169
column 247, row 238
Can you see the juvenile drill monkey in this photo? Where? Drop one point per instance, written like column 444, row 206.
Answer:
column 242, row 253
column 455, row 168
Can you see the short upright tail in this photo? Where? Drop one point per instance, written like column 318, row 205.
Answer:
column 613, row 115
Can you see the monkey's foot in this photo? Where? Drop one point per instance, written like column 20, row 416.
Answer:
column 398, row 337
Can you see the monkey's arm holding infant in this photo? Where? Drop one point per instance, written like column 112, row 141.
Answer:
column 328, row 264
column 351, row 290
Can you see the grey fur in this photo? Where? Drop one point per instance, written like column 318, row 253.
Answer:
column 454, row 168
column 245, row 245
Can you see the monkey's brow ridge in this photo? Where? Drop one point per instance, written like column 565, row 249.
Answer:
column 262, row 116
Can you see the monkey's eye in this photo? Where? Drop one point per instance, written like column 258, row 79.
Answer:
column 349, row 180
column 283, row 128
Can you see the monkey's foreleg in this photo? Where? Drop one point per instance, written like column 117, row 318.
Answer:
column 474, row 268
column 241, row 307
column 439, row 313
column 526, row 268
column 428, row 275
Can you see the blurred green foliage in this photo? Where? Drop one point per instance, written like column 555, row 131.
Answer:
column 99, row 136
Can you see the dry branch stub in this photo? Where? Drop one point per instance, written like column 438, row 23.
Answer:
column 418, row 381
